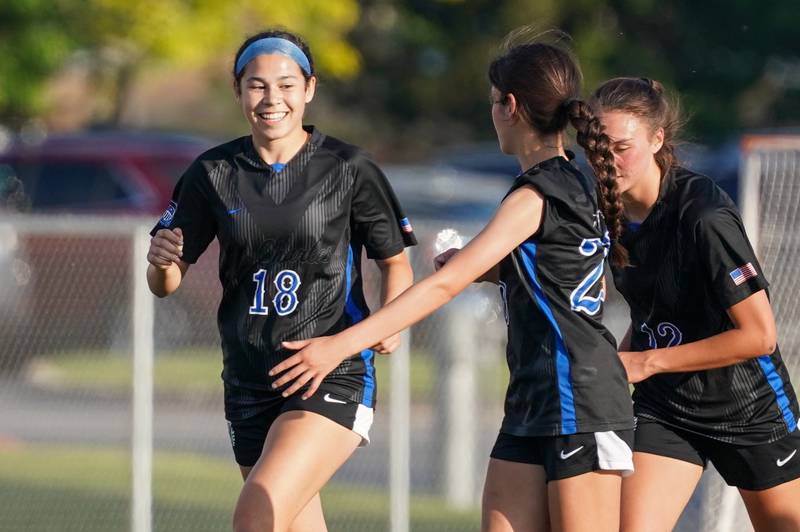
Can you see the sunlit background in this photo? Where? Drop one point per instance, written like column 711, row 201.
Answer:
column 103, row 103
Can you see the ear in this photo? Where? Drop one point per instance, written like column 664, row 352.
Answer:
column 311, row 88
column 510, row 107
column 657, row 141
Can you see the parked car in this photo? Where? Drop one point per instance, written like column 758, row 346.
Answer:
column 117, row 172
column 60, row 294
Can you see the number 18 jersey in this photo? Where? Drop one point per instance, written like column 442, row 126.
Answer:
column 565, row 375
column 290, row 249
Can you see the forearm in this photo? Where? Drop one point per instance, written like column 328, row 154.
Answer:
column 492, row 276
column 416, row 302
column 163, row 282
column 724, row 349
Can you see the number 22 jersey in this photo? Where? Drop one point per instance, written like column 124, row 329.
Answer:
column 690, row 262
column 565, row 375
column 290, row 249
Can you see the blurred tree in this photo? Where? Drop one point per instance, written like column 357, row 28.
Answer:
column 735, row 63
column 118, row 37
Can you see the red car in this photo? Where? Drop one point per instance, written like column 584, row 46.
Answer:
column 61, row 294
column 101, row 171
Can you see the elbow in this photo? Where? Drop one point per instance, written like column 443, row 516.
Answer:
column 769, row 343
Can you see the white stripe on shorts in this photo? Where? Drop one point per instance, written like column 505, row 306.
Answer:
column 613, row 453
column 362, row 423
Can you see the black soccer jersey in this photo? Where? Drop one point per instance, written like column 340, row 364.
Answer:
column 566, row 376
column 290, row 249
column 690, row 261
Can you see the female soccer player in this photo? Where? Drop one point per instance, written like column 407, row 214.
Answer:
column 292, row 209
column 567, row 433
column 710, row 382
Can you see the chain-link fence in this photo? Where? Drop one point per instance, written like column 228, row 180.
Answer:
column 68, row 453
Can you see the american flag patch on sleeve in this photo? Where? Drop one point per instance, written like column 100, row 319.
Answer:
column 743, row 273
column 406, row 225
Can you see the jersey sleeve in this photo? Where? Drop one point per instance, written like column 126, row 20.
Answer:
column 725, row 253
column 190, row 210
column 377, row 218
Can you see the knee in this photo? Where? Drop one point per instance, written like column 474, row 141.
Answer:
column 255, row 513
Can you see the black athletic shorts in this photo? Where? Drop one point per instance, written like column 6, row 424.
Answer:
column 571, row 455
column 250, row 414
column 751, row 467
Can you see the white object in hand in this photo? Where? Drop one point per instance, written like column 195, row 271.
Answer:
column 447, row 239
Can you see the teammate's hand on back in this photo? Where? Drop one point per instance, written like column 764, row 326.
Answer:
column 308, row 366
column 166, row 247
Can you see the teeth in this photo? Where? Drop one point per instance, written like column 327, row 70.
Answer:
column 272, row 116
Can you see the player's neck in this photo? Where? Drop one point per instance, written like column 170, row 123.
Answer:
column 280, row 150
column 640, row 199
column 532, row 150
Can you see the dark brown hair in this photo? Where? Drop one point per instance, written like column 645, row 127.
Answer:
column 646, row 99
column 276, row 32
column 546, row 81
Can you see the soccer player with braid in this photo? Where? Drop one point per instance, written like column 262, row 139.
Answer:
column 710, row 384
column 566, row 437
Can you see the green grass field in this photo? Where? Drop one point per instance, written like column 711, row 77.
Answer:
column 46, row 487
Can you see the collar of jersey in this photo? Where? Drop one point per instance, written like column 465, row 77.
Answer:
column 314, row 141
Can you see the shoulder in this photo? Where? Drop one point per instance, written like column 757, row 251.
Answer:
column 558, row 179
column 216, row 157
column 344, row 151
column 699, row 198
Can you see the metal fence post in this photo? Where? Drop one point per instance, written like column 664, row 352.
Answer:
column 142, row 439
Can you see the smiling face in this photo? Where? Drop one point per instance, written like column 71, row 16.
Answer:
column 634, row 146
column 273, row 94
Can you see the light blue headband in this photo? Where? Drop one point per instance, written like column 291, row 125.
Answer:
column 273, row 45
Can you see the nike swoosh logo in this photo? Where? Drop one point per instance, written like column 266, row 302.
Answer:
column 329, row 399
column 234, row 211
column 780, row 462
column 564, row 455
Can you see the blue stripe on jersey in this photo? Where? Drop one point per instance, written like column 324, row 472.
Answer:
column 569, row 424
column 776, row 383
column 356, row 315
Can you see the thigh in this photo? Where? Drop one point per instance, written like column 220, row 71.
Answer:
column 775, row 509
column 589, row 501
column 514, row 497
column 302, row 451
column 667, row 469
column 654, row 497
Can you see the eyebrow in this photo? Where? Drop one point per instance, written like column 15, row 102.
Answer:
column 618, row 141
column 262, row 80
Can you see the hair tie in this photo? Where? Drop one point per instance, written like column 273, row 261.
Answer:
column 273, row 45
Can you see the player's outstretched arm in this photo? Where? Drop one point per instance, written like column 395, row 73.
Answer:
column 519, row 217
column 491, row 276
column 753, row 335
column 396, row 277
column 166, row 269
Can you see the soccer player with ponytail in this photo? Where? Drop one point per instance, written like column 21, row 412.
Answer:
column 710, row 384
column 566, row 438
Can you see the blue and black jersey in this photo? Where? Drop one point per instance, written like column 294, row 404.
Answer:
column 291, row 240
column 565, row 375
column 690, row 262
